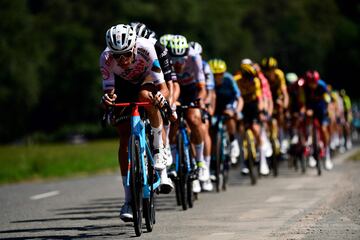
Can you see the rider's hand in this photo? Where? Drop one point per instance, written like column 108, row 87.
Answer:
column 108, row 99
column 279, row 102
column 174, row 115
column 309, row 112
column 158, row 100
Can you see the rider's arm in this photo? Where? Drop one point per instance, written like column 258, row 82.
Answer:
column 200, row 76
column 166, row 68
column 108, row 79
column 240, row 104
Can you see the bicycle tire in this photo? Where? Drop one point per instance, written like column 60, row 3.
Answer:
column 218, row 156
column 149, row 204
column 302, row 163
column 181, row 173
column 189, row 189
column 136, row 185
column 225, row 173
column 316, row 150
column 251, row 158
column 177, row 191
column 275, row 157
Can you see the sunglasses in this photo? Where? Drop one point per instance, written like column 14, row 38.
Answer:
column 122, row 56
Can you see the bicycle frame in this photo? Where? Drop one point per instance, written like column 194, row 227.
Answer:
column 183, row 132
column 138, row 131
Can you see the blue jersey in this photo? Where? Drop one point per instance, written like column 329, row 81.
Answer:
column 228, row 90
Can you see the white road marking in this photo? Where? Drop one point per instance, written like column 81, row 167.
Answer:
column 275, row 199
column 44, row 195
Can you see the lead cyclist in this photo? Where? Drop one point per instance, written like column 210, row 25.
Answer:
column 131, row 72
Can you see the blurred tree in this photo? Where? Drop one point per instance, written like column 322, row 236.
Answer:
column 50, row 49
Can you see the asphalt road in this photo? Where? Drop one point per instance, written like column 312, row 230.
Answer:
column 291, row 206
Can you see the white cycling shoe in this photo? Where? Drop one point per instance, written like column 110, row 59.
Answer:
column 207, row 186
column 204, row 173
column 166, row 185
column 196, row 186
column 168, row 156
column 160, row 160
column 264, row 168
column 312, row 162
column 245, row 171
column 328, row 164
column 234, row 151
column 126, row 212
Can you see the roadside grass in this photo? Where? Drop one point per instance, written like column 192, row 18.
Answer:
column 20, row 163
column 355, row 156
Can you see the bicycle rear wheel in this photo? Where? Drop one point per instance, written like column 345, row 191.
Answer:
column 250, row 145
column 136, row 185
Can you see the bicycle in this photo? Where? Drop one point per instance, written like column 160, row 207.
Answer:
column 220, row 158
column 249, row 153
column 316, row 143
column 184, row 166
column 142, row 178
column 275, row 145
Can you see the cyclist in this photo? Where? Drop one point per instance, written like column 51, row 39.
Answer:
column 315, row 98
column 294, row 86
column 169, row 76
column 280, row 96
column 348, row 117
column 268, row 106
column 334, row 109
column 228, row 102
column 210, row 108
column 253, row 111
column 191, row 78
column 131, row 72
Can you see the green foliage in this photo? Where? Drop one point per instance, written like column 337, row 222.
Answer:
column 19, row 163
column 50, row 49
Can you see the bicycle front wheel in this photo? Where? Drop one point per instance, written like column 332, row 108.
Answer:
column 136, row 184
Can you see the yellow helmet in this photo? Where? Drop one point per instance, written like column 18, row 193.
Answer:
column 269, row 63
column 217, row 66
column 247, row 70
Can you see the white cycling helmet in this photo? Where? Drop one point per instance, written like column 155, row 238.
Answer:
column 291, row 77
column 246, row 61
column 140, row 29
column 196, row 46
column 178, row 46
column 120, row 38
column 165, row 39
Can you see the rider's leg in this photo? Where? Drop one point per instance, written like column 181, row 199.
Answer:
column 156, row 126
column 264, row 168
column 326, row 139
column 234, row 145
column 207, row 185
column 193, row 117
column 207, row 143
column 124, row 134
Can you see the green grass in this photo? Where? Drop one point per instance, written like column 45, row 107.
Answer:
column 355, row 156
column 20, row 163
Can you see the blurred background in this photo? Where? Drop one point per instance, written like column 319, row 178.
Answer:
column 50, row 84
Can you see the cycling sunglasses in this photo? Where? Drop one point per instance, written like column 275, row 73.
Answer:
column 121, row 56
